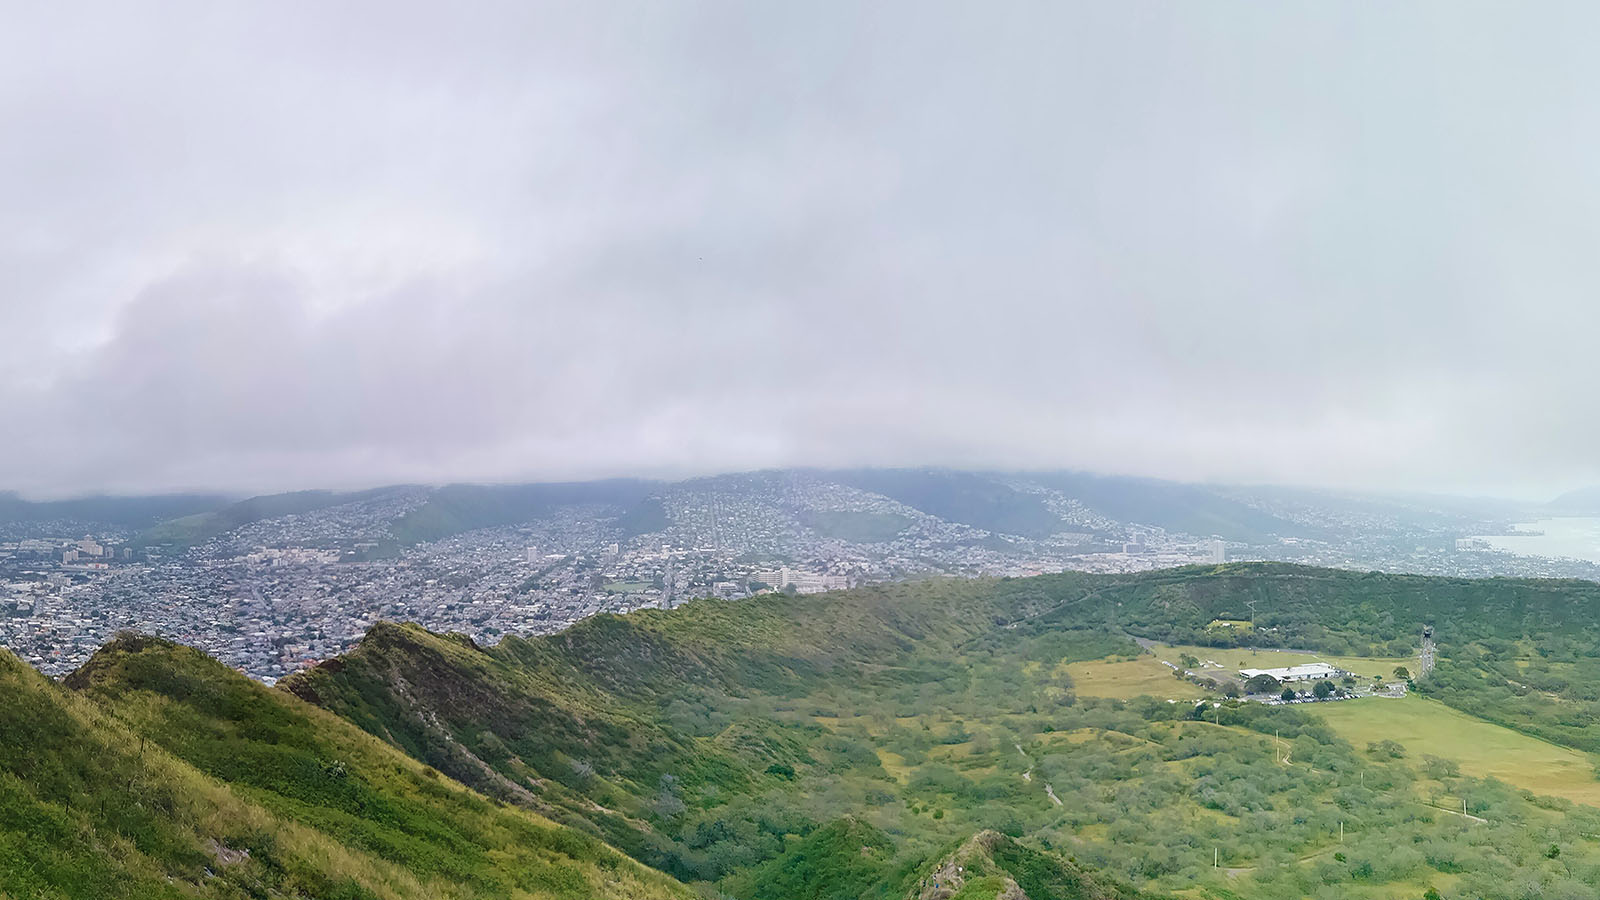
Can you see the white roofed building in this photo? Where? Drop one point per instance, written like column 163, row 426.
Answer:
column 1307, row 672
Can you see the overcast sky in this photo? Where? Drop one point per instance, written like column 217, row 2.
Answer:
column 294, row 244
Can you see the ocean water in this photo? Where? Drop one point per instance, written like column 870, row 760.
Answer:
column 1575, row 537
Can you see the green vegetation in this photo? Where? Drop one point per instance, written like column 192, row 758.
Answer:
column 843, row 860
column 841, row 744
column 1416, row 728
column 458, row 508
column 130, row 512
column 919, row 741
column 1232, row 659
column 856, row 526
column 197, row 528
column 1191, row 509
column 625, row 587
column 976, row 500
column 167, row 775
column 1125, row 679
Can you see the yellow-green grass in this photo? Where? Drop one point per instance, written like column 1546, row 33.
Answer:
column 1075, row 736
column 1427, row 727
column 1233, row 659
column 1124, row 679
column 895, row 765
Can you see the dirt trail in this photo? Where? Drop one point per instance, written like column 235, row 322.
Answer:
column 1028, row 776
column 1456, row 812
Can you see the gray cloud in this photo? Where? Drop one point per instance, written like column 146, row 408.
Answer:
column 280, row 245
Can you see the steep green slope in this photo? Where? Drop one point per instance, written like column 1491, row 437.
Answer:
column 850, row 860
column 992, row 866
column 165, row 774
column 617, row 719
column 844, row 860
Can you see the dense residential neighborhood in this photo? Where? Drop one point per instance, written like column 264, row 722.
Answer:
column 273, row 593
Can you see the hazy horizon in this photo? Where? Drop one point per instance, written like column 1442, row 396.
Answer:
column 264, row 247
column 673, row 478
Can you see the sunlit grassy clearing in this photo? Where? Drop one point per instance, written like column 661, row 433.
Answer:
column 894, row 764
column 1427, row 727
column 1125, row 679
column 1233, row 659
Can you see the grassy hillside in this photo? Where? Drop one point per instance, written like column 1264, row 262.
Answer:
column 161, row 773
column 992, row 866
column 464, row 507
column 187, row 531
column 970, row 499
column 616, row 722
column 841, row 744
column 1186, row 508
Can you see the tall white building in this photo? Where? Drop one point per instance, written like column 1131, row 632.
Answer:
column 1217, row 550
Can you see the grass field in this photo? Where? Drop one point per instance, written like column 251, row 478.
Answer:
column 1427, row 727
column 626, row 587
column 1238, row 624
column 1233, row 659
column 1123, row 679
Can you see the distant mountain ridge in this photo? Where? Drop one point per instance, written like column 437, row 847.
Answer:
column 130, row 512
column 1581, row 502
column 1024, row 505
column 201, row 527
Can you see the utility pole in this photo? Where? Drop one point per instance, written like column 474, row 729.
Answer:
column 1341, row 831
column 1252, row 604
column 1215, row 856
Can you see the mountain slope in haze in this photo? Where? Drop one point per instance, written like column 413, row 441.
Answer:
column 865, row 507
column 122, row 512
column 456, row 508
column 159, row 773
column 1182, row 508
column 187, row 531
column 1581, row 502
column 980, row 500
